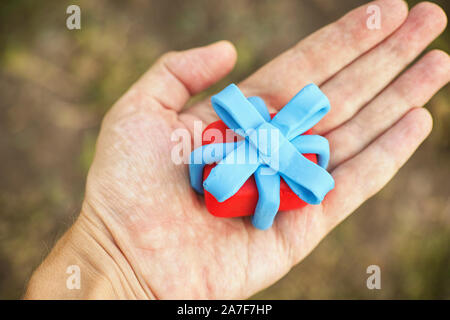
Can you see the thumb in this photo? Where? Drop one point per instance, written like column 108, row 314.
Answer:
column 176, row 76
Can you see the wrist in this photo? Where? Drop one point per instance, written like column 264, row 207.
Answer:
column 85, row 264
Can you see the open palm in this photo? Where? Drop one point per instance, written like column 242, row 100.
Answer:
column 140, row 201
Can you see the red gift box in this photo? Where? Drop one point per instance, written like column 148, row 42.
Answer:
column 243, row 202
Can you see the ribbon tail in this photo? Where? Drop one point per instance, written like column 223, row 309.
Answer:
column 314, row 144
column 308, row 180
column 268, row 184
column 204, row 155
column 312, row 194
column 231, row 172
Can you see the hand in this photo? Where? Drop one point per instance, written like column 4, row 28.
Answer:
column 145, row 232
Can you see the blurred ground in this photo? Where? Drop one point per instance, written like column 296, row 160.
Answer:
column 56, row 84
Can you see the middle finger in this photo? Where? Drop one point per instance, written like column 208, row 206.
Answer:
column 358, row 83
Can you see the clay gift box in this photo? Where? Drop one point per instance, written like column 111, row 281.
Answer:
column 268, row 163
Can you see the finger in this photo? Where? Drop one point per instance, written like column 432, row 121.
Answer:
column 358, row 83
column 317, row 57
column 364, row 175
column 412, row 89
column 176, row 76
column 326, row 51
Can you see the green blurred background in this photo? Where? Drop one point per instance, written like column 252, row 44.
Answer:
column 56, row 84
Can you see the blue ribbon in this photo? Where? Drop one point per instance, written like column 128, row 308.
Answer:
column 271, row 148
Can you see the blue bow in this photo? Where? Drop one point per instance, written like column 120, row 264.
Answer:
column 275, row 147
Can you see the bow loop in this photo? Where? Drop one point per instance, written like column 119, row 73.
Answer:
column 235, row 110
column 302, row 112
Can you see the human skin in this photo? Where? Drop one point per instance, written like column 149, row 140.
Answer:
column 144, row 233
